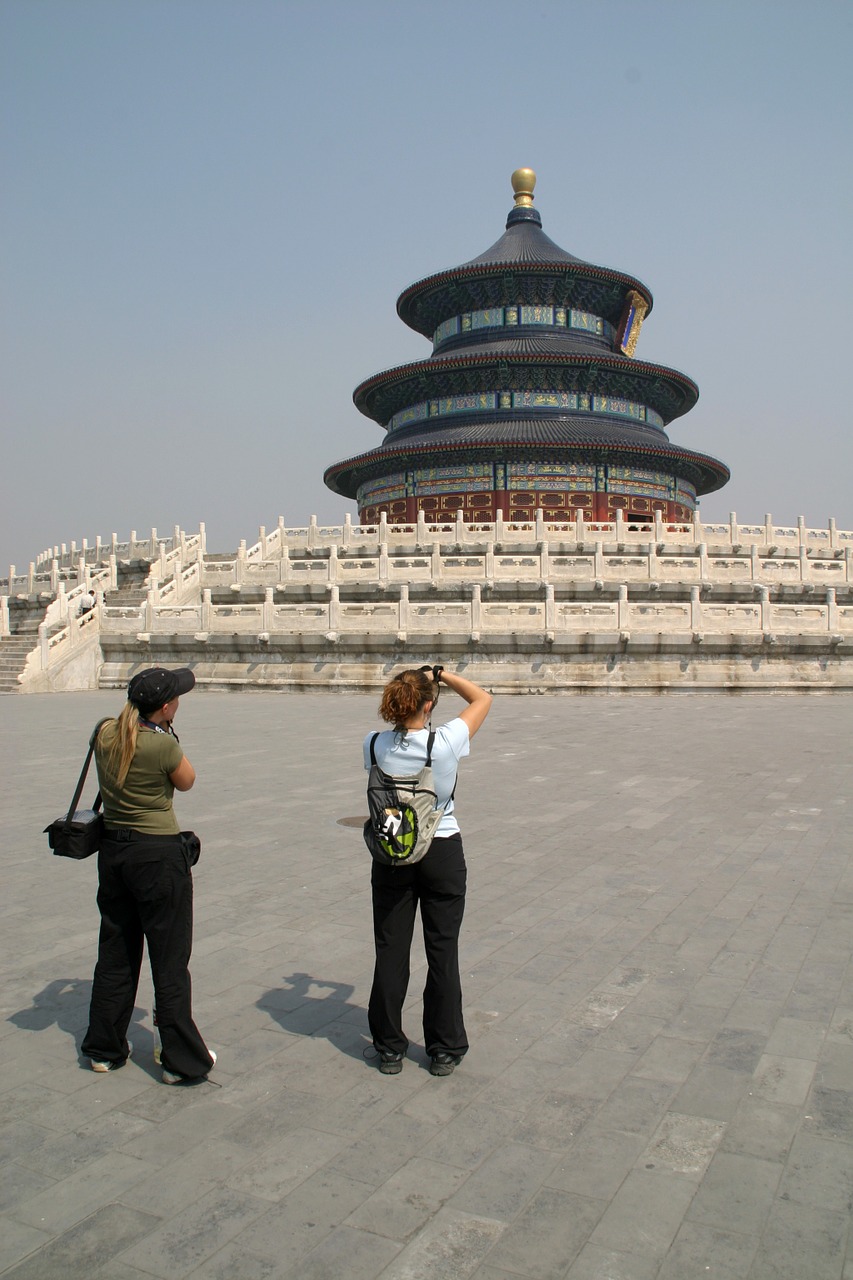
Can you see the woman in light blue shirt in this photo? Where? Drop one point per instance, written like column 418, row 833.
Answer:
column 436, row 883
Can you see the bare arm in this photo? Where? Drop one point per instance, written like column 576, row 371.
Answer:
column 478, row 700
column 183, row 777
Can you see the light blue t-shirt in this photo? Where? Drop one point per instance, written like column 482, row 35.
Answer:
column 405, row 754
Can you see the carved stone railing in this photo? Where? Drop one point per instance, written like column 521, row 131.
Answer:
column 732, row 534
column 475, row 618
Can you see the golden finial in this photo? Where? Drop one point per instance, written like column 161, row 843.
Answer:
column 523, row 181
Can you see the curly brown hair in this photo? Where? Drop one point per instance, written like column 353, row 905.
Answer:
column 404, row 696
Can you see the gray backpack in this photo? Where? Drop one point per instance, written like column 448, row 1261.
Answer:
column 403, row 813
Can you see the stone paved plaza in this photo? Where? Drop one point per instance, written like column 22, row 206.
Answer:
column 658, row 986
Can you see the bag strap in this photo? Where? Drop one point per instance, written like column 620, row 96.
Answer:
column 82, row 779
column 372, row 748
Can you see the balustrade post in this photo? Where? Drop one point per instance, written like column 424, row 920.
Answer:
column 11, row 577
column 286, row 567
column 383, row 562
column 206, row 609
column 544, row 561
column 490, row 562
column 262, row 539
column 460, row 528
column 805, row 564
column 579, row 523
column 63, row 603
column 403, row 615
column 733, row 528
column 658, row 525
column 383, row 527
column 476, row 610
column 623, row 607
column 113, row 572
column 695, row 610
column 833, row 533
column 152, row 546
column 831, row 610
column 334, row 567
column 768, row 529
column 150, row 608
column 81, row 571
column 421, row 528
column 73, row 553
column 114, row 543
column 764, row 598
column 334, row 607
column 161, row 562
column 620, row 525
column 268, row 611
column 202, row 538
column 44, row 646
column 5, row 628
column 499, row 526
column 312, row 533
column 598, row 563
column 801, row 531
column 31, row 579
column 697, row 526
column 704, row 569
column 653, row 561
column 240, row 562
column 54, row 576
column 848, row 560
column 538, row 524
column 754, row 562
column 550, row 608
column 346, row 537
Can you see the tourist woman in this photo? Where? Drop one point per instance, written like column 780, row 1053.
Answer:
column 436, row 882
column 145, row 887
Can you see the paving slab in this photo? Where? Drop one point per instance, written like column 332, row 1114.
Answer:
column 657, row 961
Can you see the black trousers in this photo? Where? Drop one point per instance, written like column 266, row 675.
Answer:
column 145, row 891
column 437, row 884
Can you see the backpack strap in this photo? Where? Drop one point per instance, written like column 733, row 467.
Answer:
column 373, row 748
column 430, row 741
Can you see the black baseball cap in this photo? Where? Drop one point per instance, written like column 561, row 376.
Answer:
column 153, row 688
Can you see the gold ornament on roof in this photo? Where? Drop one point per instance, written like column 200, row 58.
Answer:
column 523, row 181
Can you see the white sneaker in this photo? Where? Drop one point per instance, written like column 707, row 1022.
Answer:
column 172, row 1077
column 111, row 1066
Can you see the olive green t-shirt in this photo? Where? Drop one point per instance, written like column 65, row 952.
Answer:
column 145, row 801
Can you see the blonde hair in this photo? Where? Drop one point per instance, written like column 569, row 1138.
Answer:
column 405, row 695
column 119, row 739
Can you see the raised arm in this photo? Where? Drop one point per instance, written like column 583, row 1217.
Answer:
column 478, row 700
column 183, row 777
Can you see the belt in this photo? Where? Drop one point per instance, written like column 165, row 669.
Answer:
column 127, row 835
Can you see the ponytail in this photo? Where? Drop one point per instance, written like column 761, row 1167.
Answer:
column 119, row 739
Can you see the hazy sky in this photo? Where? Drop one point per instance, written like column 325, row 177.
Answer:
column 210, row 206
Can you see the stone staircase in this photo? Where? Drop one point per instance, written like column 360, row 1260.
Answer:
column 13, row 654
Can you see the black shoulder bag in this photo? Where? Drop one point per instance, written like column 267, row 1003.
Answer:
column 79, row 833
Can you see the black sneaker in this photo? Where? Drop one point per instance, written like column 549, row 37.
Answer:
column 442, row 1064
column 390, row 1064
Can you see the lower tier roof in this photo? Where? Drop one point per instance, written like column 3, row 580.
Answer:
column 563, row 439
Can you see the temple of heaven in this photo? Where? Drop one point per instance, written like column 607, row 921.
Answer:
column 532, row 397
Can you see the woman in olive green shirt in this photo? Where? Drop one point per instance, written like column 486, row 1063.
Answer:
column 145, row 888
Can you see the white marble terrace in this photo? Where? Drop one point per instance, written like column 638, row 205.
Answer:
column 523, row 607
